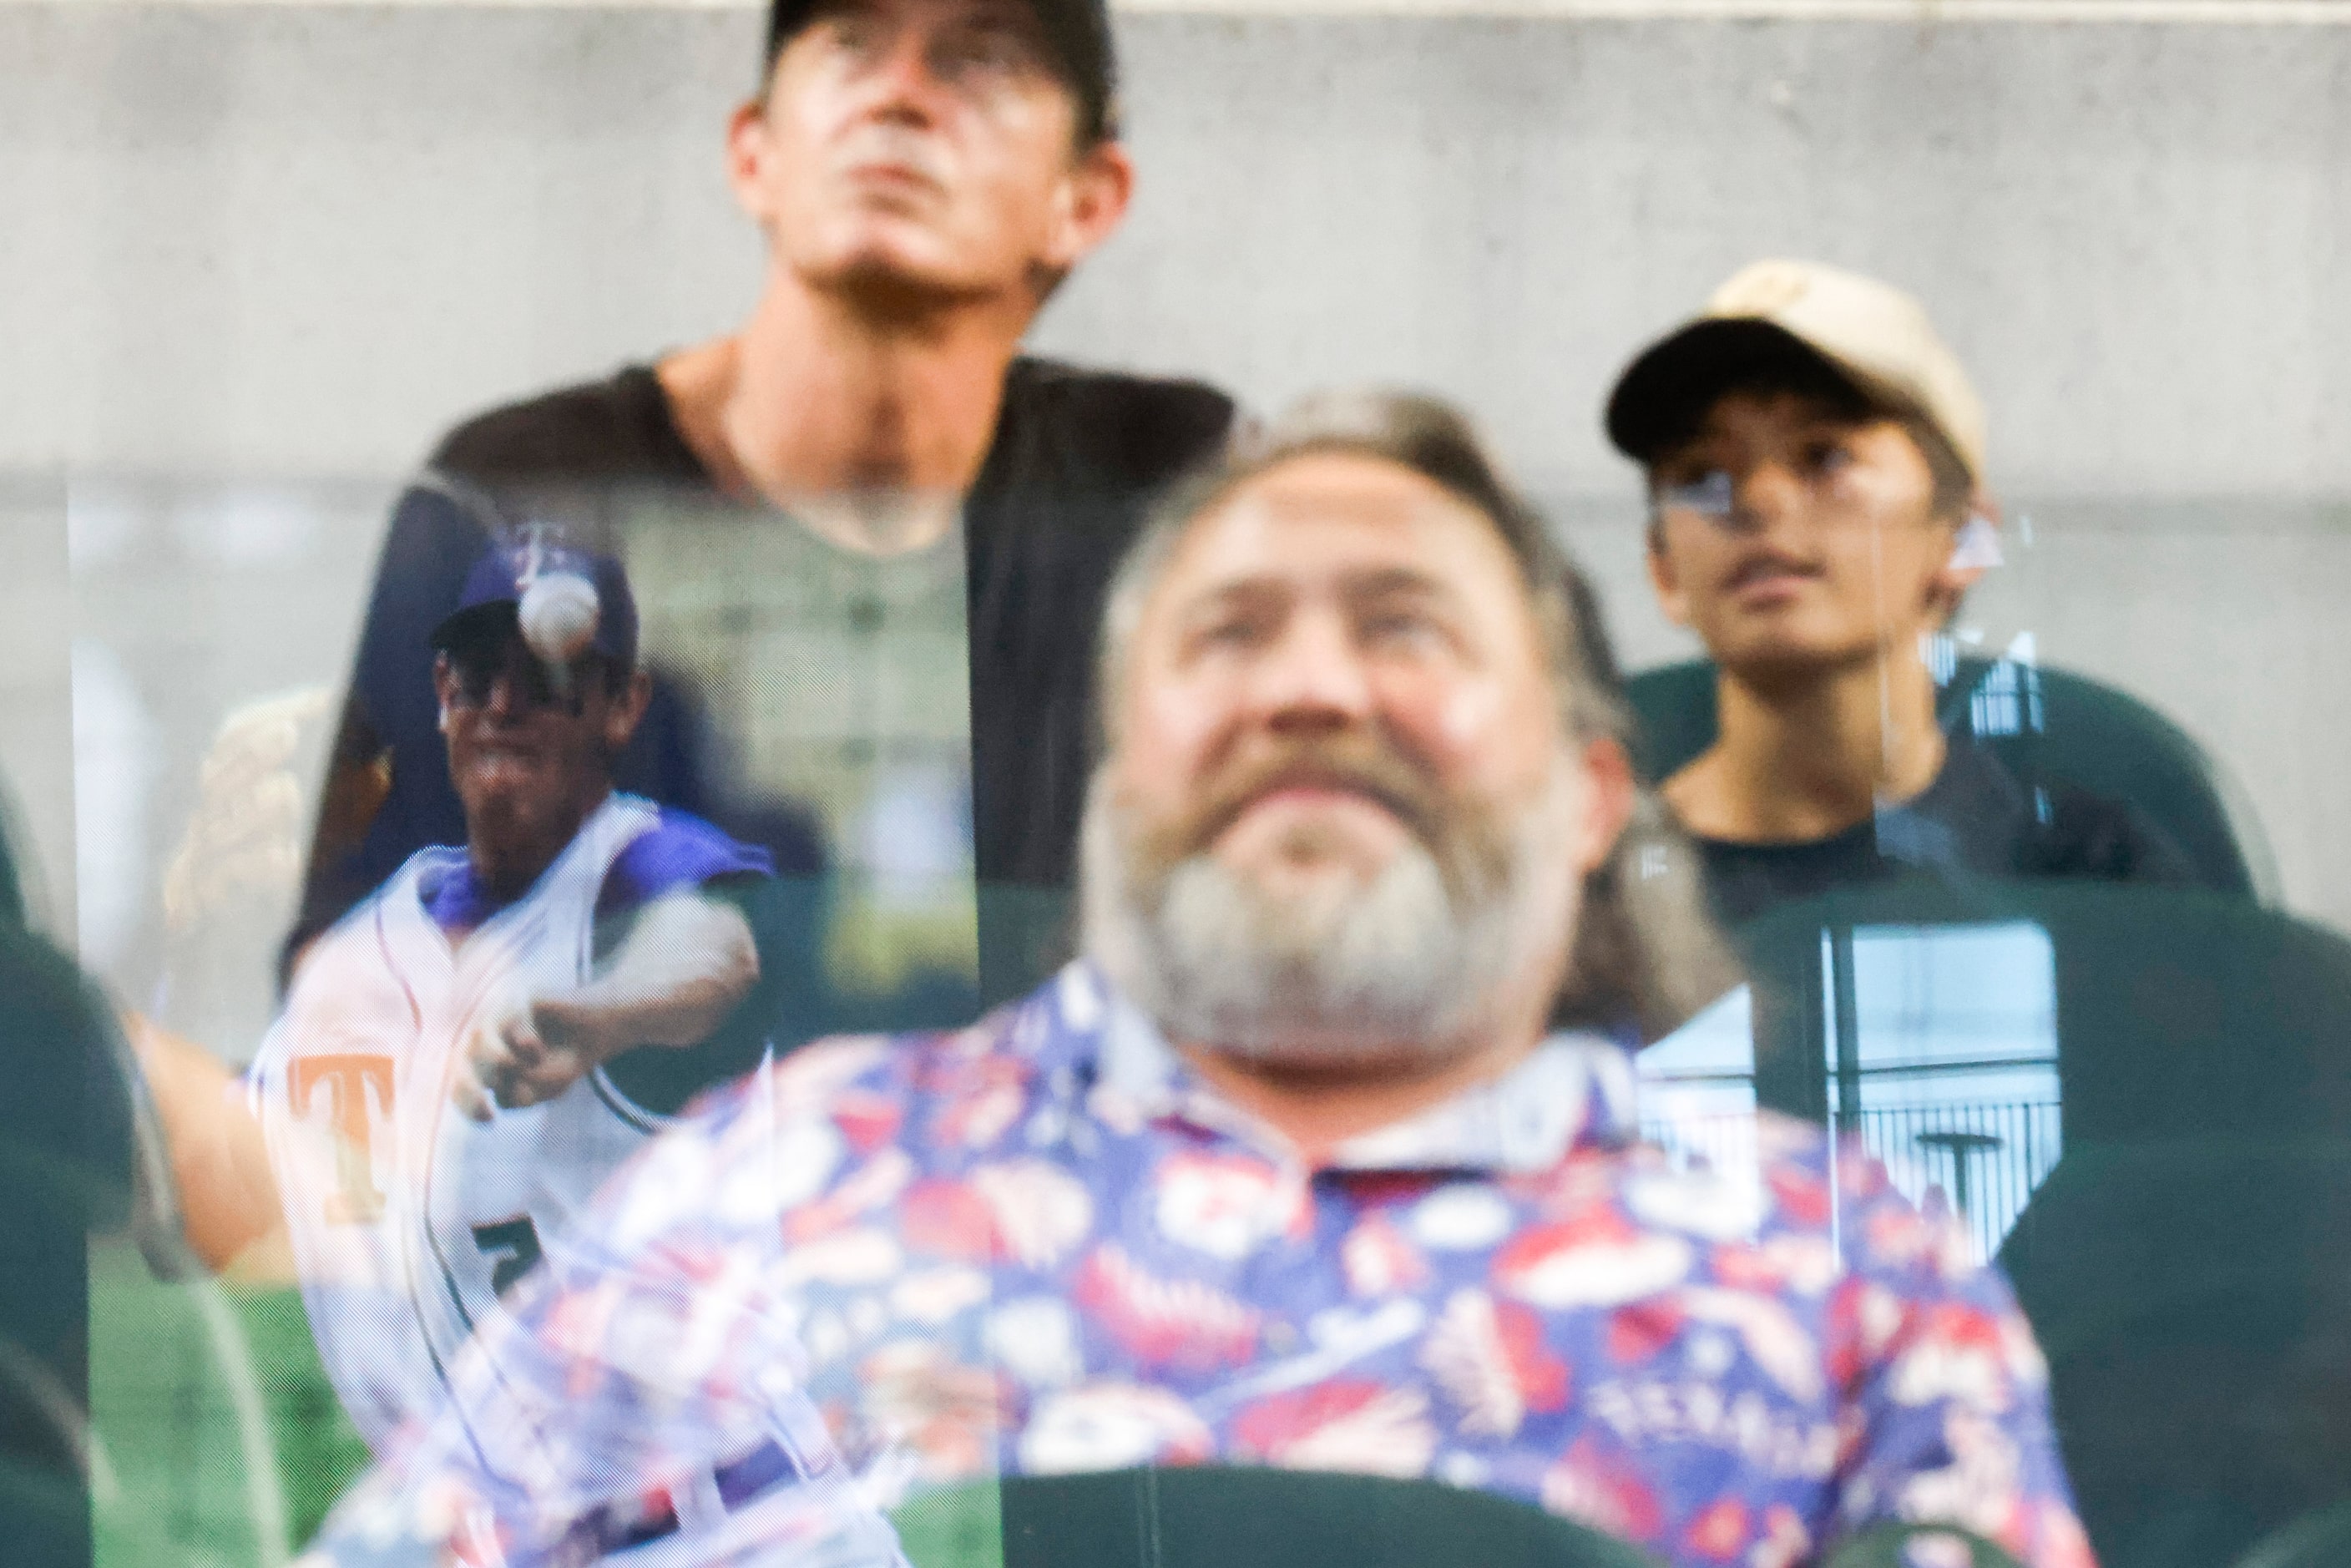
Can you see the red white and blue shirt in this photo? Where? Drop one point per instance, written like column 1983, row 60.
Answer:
column 1043, row 1245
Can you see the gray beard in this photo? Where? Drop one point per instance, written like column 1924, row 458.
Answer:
column 1403, row 971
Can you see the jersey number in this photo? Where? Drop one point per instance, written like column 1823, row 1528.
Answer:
column 512, row 1247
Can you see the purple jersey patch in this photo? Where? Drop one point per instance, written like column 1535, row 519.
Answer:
column 679, row 851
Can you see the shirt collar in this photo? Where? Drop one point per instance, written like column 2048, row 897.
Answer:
column 1576, row 1088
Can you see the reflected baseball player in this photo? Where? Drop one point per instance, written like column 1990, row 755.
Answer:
column 923, row 174
column 444, row 1085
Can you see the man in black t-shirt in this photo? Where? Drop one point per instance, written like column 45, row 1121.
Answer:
column 925, row 171
column 1814, row 456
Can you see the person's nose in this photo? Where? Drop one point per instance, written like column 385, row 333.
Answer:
column 1764, row 495
column 1313, row 678
column 902, row 79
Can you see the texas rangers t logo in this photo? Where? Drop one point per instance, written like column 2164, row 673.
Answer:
column 346, row 1077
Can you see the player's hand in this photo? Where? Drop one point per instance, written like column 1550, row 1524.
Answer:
column 526, row 1055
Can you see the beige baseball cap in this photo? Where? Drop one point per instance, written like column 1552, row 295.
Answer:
column 1870, row 333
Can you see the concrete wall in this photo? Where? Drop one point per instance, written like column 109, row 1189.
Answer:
column 276, row 245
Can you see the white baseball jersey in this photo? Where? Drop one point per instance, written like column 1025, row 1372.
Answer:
column 408, row 1218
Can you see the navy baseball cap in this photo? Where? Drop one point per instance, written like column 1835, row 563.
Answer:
column 518, row 576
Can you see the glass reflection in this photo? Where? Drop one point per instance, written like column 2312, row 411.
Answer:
column 1286, row 1170
column 2040, row 917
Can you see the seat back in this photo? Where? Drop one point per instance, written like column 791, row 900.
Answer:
column 2184, row 1265
column 65, row 1165
column 2322, row 1539
column 1219, row 1517
column 2046, row 726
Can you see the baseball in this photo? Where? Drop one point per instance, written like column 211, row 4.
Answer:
column 559, row 614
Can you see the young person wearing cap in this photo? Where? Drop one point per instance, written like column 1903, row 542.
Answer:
column 450, row 1078
column 1816, row 464
column 925, row 172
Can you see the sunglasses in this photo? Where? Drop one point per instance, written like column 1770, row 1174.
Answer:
column 534, row 684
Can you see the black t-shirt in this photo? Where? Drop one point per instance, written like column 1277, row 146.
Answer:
column 1077, row 456
column 1977, row 818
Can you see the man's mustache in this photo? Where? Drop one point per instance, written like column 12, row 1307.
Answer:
column 1364, row 767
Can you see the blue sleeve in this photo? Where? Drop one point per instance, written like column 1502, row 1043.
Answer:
column 681, row 850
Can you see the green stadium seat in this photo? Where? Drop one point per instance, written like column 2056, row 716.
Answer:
column 1221, row 1516
column 1233, row 1516
column 2184, row 1265
column 2322, row 1539
column 64, row 1157
column 1916, row 1546
column 2090, row 737
column 138, row 1401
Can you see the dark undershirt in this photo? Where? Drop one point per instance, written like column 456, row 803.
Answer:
column 1976, row 818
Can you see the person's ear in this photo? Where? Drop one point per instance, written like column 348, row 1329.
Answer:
column 626, row 711
column 1607, row 801
column 1672, row 597
column 1974, row 549
column 750, row 144
column 1089, row 205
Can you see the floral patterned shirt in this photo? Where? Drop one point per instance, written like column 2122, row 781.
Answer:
column 1042, row 1245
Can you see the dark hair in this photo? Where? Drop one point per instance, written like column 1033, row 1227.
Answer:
column 1647, row 953
column 1077, row 36
column 1955, row 488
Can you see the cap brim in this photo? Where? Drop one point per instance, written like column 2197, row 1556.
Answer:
column 1662, row 398
column 476, row 623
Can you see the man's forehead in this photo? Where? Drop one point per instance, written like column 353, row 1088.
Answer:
column 1339, row 513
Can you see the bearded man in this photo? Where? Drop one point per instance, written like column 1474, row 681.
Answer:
column 1290, row 1167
